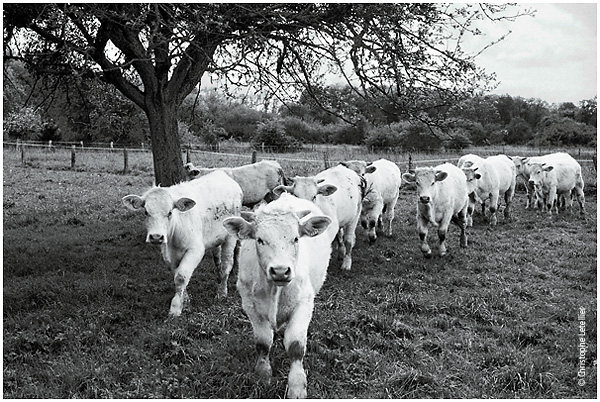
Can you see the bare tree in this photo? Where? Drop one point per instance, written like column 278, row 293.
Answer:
column 155, row 54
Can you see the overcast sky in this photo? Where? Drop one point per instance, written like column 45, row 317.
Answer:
column 552, row 56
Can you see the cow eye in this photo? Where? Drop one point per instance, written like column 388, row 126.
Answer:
column 170, row 213
column 295, row 240
column 146, row 213
column 260, row 241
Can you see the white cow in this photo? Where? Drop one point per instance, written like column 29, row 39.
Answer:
column 283, row 259
column 186, row 220
column 383, row 181
column 558, row 177
column 441, row 198
column 487, row 179
column 345, row 189
column 256, row 179
column 523, row 166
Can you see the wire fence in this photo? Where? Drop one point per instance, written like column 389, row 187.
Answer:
column 107, row 155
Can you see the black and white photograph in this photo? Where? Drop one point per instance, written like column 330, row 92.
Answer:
column 331, row 200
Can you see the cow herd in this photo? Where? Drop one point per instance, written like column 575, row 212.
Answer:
column 286, row 229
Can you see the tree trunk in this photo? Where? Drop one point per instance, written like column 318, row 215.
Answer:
column 166, row 147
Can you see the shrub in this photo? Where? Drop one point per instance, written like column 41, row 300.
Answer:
column 24, row 124
column 383, row 138
column 271, row 135
column 459, row 139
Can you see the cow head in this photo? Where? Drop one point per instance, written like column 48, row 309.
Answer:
column 538, row 173
column 520, row 163
column 372, row 207
column 472, row 175
column 277, row 237
column 425, row 178
column 306, row 188
column 159, row 207
column 360, row 167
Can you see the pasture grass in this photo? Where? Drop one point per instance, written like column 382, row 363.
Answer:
column 85, row 305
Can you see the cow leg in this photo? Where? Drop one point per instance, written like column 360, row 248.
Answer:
column 494, row 207
column 530, row 193
column 339, row 240
column 442, row 232
column 263, row 339
column 470, row 209
column 508, row 198
column 423, row 230
column 216, row 254
column 226, row 265
column 461, row 221
column 295, row 344
column 349, row 241
column 372, row 231
column 580, row 196
column 551, row 201
column 388, row 217
column 183, row 273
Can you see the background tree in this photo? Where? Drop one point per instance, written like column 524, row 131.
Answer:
column 156, row 54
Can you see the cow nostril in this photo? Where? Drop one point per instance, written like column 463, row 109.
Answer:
column 424, row 200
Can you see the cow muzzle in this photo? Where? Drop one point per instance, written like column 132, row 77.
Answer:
column 155, row 238
column 280, row 275
column 424, row 199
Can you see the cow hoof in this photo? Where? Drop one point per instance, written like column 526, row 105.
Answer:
column 264, row 372
column 428, row 255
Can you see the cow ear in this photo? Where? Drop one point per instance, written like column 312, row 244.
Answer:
column 248, row 216
column 239, row 227
column 370, row 169
column 194, row 172
column 314, row 226
column 477, row 176
column 440, row 175
column 409, row 177
column 280, row 189
column 524, row 160
column 302, row 214
column 548, row 168
column 184, row 204
column 326, row 189
column 133, row 202
column 344, row 164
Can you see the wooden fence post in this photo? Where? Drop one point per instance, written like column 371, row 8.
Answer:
column 410, row 163
column 22, row 148
column 326, row 159
column 254, row 156
column 125, row 160
column 72, row 156
column 188, row 159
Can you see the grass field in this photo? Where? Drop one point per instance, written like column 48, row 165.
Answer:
column 85, row 304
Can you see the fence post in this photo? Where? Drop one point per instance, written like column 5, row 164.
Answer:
column 72, row 156
column 81, row 143
column 125, row 160
column 326, row 159
column 254, row 156
column 22, row 146
column 188, row 159
column 410, row 163
column 594, row 159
